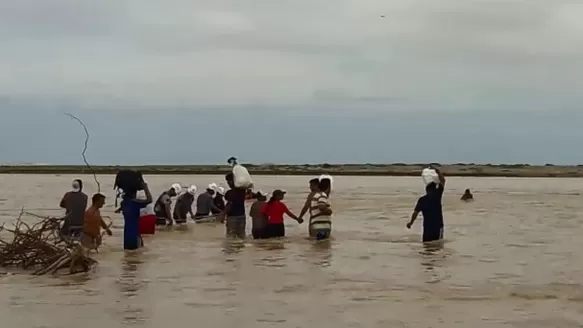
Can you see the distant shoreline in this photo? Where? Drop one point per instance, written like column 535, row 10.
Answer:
column 398, row 169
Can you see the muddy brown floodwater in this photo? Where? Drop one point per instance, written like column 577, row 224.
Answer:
column 512, row 258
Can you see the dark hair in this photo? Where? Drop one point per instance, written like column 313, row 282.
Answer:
column 97, row 197
column 260, row 197
column 230, row 176
column 80, row 182
column 315, row 182
column 325, row 184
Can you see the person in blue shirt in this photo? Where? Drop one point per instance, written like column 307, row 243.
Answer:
column 130, row 207
column 429, row 205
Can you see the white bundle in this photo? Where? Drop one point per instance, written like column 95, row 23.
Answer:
column 242, row 178
column 429, row 175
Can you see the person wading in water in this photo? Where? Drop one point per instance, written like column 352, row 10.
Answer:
column 274, row 211
column 163, row 205
column 183, row 205
column 259, row 221
column 219, row 201
column 430, row 207
column 314, row 188
column 75, row 203
column 94, row 223
column 467, row 196
column 320, row 226
column 235, row 209
column 205, row 204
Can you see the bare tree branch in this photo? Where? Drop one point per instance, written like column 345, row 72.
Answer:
column 85, row 149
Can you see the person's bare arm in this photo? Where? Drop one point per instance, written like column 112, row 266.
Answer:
column 418, row 208
column 293, row 216
column 105, row 227
column 306, row 205
column 413, row 218
column 148, row 199
column 190, row 211
column 440, row 176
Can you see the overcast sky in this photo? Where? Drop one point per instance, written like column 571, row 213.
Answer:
column 190, row 81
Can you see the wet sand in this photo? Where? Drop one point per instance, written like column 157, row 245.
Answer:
column 511, row 259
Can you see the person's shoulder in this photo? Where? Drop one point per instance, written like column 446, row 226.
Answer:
column 320, row 195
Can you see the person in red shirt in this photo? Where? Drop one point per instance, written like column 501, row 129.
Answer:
column 274, row 211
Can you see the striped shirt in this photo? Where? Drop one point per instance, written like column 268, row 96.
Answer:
column 319, row 220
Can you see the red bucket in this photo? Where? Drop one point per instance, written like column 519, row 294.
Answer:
column 147, row 221
column 147, row 224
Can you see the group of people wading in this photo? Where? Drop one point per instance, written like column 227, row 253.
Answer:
column 227, row 207
column 267, row 214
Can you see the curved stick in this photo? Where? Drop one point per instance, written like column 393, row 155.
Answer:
column 85, row 149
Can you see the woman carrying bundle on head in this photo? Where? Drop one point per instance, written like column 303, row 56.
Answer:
column 130, row 182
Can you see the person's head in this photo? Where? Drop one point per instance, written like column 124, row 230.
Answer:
column 315, row 185
column 174, row 190
column 220, row 191
column 277, row 194
column 230, row 179
column 77, row 185
column 325, row 185
column 431, row 187
column 98, row 200
column 261, row 196
column 468, row 192
column 191, row 190
column 210, row 189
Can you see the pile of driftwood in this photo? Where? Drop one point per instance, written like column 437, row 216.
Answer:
column 41, row 247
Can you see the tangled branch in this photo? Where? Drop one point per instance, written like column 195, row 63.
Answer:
column 41, row 247
column 85, row 149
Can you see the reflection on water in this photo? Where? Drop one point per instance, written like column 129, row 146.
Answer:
column 511, row 259
column 130, row 284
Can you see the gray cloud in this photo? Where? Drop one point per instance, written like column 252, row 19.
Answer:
column 139, row 55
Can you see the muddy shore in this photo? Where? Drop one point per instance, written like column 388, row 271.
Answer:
column 398, row 169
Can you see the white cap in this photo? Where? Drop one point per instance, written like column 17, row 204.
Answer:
column 191, row 190
column 221, row 190
column 262, row 193
column 177, row 188
column 212, row 186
